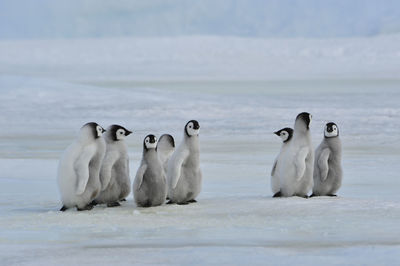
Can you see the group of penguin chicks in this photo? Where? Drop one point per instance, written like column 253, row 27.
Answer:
column 297, row 170
column 94, row 169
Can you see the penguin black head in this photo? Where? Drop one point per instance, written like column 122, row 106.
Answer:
column 192, row 128
column 331, row 130
column 285, row 134
column 96, row 130
column 118, row 132
column 305, row 117
column 150, row 142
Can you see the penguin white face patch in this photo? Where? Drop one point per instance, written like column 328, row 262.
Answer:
column 190, row 129
column 284, row 135
column 149, row 144
column 331, row 130
column 120, row 134
column 99, row 131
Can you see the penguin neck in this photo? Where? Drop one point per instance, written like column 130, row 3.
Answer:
column 86, row 138
column 300, row 126
column 334, row 143
column 302, row 134
column 108, row 137
column 192, row 142
column 149, row 154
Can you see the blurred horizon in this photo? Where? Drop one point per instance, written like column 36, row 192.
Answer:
column 47, row 19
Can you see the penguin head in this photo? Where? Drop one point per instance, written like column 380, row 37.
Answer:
column 117, row 132
column 192, row 128
column 331, row 130
column 304, row 118
column 93, row 129
column 285, row 134
column 150, row 142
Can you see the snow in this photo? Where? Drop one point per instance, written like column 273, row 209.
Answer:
column 47, row 93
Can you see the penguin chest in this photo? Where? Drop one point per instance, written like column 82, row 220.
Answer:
column 154, row 181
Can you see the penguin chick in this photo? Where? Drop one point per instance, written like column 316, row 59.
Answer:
column 296, row 169
column 328, row 171
column 286, row 135
column 114, row 173
column 79, row 168
column 184, row 175
column 150, row 187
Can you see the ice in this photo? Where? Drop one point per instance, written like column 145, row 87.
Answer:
column 203, row 57
column 50, row 88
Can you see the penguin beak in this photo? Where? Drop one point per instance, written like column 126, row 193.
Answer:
column 103, row 130
column 127, row 133
column 276, row 133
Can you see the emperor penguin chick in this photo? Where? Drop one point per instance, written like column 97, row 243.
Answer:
column 150, row 185
column 296, row 169
column 328, row 172
column 114, row 173
column 286, row 135
column 184, row 175
column 79, row 168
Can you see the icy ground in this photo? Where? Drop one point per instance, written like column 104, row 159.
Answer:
column 235, row 222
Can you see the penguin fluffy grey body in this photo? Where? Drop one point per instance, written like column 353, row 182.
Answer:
column 79, row 168
column 150, row 185
column 184, row 174
column 114, row 173
column 328, row 171
column 296, row 170
column 286, row 135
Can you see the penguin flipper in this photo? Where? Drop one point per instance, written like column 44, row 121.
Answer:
column 105, row 172
column 139, row 176
column 175, row 167
column 274, row 168
column 323, row 164
column 81, row 167
column 165, row 148
column 300, row 162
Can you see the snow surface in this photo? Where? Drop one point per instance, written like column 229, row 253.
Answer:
column 45, row 98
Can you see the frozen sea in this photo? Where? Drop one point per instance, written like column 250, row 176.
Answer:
column 240, row 90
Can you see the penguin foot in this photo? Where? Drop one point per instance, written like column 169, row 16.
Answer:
column 192, row 201
column 170, row 202
column 93, row 203
column 313, row 195
column 123, row 200
column 113, row 204
column 63, row 209
column 86, row 208
column 183, row 203
column 332, row 195
column 302, row 196
column 277, row 195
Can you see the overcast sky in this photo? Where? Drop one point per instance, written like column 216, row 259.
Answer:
column 250, row 18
